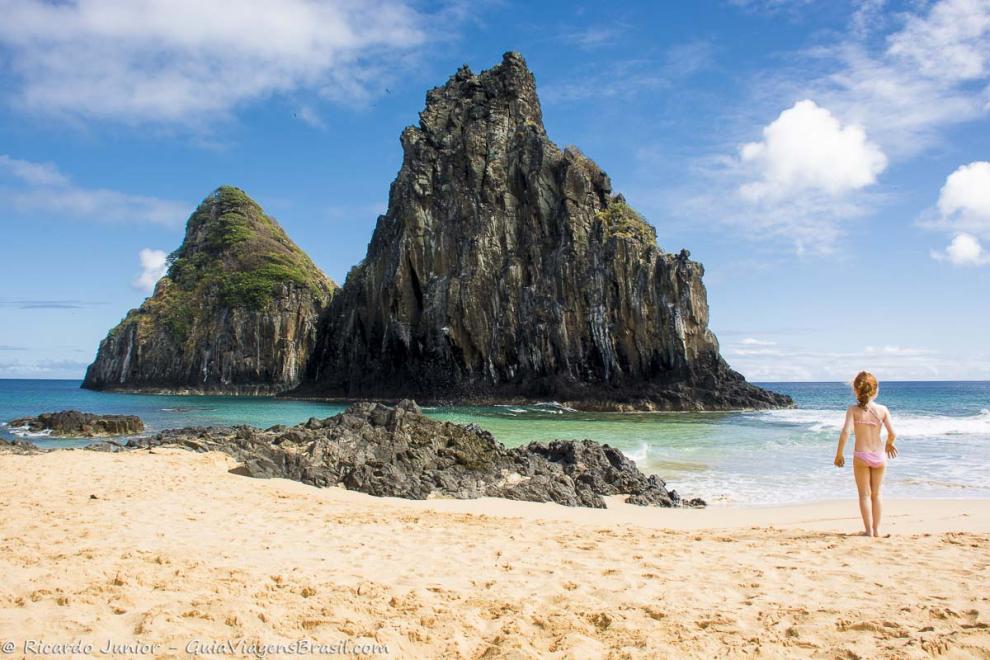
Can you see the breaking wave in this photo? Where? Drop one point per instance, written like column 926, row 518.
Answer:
column 907, row 424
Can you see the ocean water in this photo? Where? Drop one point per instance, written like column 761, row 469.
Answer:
column 741, row 458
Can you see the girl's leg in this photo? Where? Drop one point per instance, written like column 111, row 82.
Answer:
column 862, row 473
column 876, row 477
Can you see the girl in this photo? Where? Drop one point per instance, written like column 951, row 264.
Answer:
column 864, row 420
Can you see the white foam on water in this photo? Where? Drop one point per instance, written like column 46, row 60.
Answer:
column 26, row 432
column 554, row 406
column 907, row 424
column 639, row 454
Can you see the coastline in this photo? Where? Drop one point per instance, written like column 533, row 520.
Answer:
column 167, row 546
column 579, row 405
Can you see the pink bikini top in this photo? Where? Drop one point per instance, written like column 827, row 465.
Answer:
column 870, row 422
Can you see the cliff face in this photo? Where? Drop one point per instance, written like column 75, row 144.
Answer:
column 236, row 314
column 506, row 268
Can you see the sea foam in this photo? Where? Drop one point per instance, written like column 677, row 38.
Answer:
column 907, row 424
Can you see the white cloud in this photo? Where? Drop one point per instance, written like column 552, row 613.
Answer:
column 964, row 201
column 963, row 210
column 185, row 61
column 895, row 350
column 310, row 116
column 29, row 187
column 752, row 341
column 754, row 351
column 923, row 77
column 885, row 90
column 964, row 250
column 591, row 37
column 950, row 43
column 39, row 174
column 154, row 263
column 795, row 363
column 44, row 368
column 807, row 148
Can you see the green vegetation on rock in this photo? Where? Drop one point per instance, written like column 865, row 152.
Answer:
column 238, row 254
column 234, row 256
column 623, row 221
column 237, row 310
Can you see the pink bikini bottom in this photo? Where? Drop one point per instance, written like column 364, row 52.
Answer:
column 874, row 459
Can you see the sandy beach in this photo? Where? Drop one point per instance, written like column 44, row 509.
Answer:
column 172, row 550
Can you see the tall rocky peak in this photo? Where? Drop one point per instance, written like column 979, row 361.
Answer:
column 236, row 313
column 505, row 268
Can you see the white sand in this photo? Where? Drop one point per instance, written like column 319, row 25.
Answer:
column 176, row 549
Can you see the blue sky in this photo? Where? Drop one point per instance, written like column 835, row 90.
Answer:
column 826, row 161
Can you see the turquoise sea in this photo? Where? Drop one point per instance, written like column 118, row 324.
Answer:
column 748, row 458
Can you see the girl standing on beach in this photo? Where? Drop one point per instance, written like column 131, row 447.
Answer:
column 869, row 461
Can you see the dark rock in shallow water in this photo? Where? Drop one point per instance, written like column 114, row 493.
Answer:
column 73, row 423
column 506, row 269
column 398, row 452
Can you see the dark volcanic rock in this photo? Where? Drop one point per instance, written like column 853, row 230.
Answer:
column 79, row 424
column 506, row 268
column 237, row 312
column 399, row 452
column 17, row 447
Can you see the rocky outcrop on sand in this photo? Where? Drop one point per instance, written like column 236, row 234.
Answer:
column 17, row 447
column 76, row 424
column 506, row 268
column 236, row 313
column 398, row 452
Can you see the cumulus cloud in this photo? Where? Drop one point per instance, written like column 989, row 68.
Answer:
column 29, row 187
column 963, row 250
column 807, row 148
column 964, row 201
column 185, row 61
column 884, row 91
column 963, row 210
column 154, row 263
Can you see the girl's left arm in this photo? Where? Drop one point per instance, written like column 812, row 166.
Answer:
column 847, row 427
column 891, row 436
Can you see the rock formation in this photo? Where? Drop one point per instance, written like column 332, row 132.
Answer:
column 18, row 447
column 506, row 268
column 73, row 423
column 236, row 313
column 398, row 452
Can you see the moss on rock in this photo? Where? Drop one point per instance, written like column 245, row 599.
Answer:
column 623, row 221
column 238, row 254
